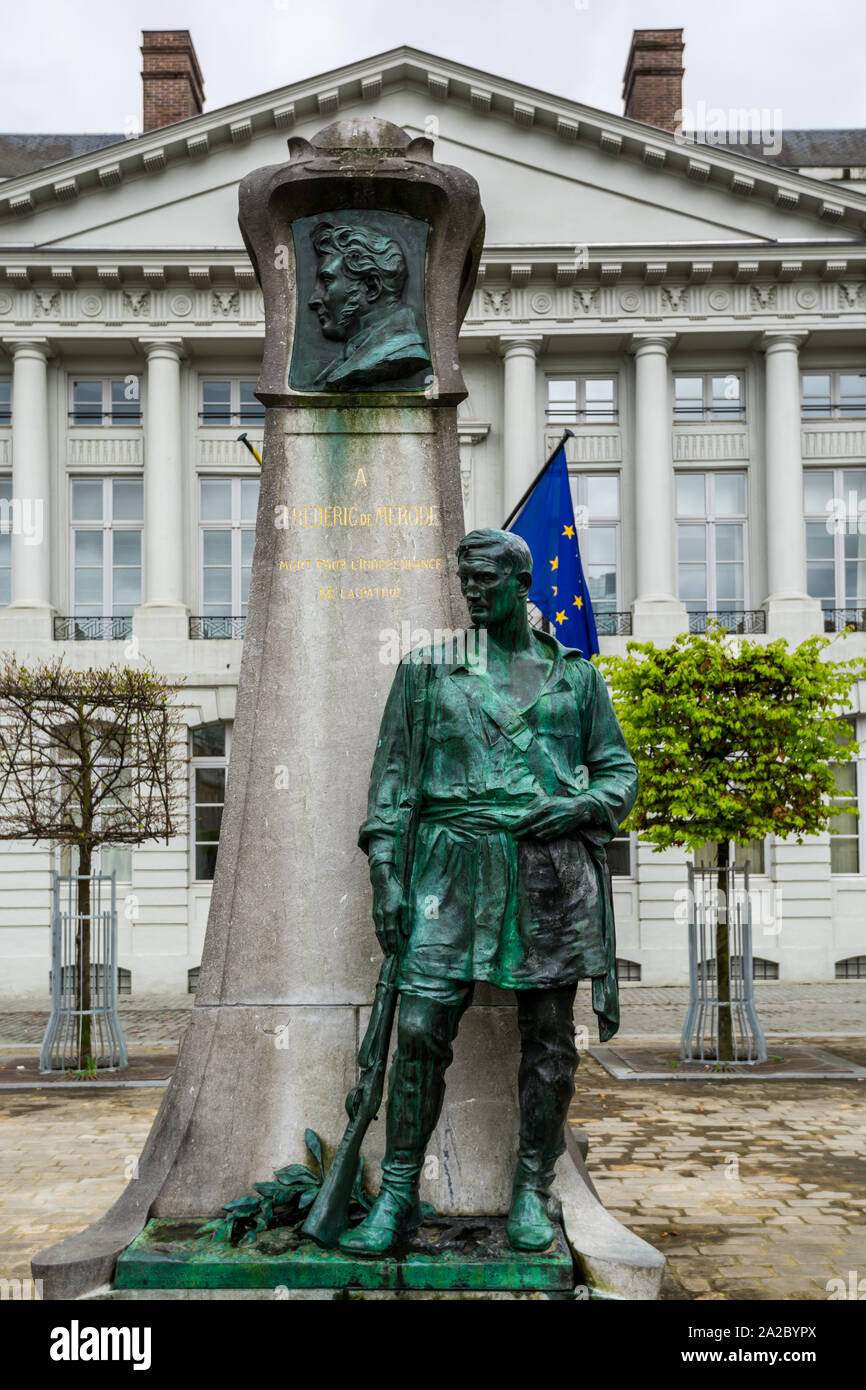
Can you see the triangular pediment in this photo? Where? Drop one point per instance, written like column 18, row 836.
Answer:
column 550, row 171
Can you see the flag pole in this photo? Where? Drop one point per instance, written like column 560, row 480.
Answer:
column 569, row 434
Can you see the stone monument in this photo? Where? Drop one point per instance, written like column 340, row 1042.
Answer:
column 366, row 250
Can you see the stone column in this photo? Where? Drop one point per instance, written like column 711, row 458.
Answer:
column 163, row 613
column 658, row 613
column 790, row 611
column 470, row 433
column 522, row 455
column 29, row 616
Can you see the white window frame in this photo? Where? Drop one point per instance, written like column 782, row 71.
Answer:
column 837, row 533
column 859, row 761
column 105, row 421
column 631, row 836
column 6, row 529
column 579, row 495
column 234, row 419
column 834, row 410
column 707, row 415
column 106, row 527
column 206, row 761
column 579, row 415
column 235, row 526
column 709, row 521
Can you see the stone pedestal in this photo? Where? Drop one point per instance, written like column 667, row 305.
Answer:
column 360, row 512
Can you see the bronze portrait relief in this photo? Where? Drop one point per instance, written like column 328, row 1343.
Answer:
column 360, row 322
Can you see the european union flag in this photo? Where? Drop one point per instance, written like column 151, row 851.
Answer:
column 546, row 523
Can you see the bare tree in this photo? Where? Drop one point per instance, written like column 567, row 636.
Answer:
column 89, row 758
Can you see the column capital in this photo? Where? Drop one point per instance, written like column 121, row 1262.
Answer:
column 162, row 347
column 651, row 342
column 789, row 339
column 520, row 344
column 29, row 345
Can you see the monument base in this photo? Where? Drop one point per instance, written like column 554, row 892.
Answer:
column 454, row 1253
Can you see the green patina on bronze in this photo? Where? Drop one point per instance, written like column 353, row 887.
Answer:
column 360, row 314
column 282, row 1202
column 466, row 1253
column 500, row 774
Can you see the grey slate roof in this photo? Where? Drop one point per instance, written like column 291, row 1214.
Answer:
column 811, row 149
column 22, row 154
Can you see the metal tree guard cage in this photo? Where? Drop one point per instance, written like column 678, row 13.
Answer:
column 699, row 1040
column 61, row 1045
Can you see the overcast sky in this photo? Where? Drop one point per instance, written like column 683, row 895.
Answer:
column 73, row 65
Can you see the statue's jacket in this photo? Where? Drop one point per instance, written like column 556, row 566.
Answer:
column 456, row 766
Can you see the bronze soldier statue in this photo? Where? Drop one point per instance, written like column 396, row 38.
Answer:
column 522, row 778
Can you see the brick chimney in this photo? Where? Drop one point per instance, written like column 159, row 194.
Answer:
column 653, row 80
column 172, row 84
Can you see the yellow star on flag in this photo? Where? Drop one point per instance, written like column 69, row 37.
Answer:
column 555, row 590
column 554, row 564
column 568, row 531
column 578, row 601
column 560, row 617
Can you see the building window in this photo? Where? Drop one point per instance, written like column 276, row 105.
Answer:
column 192, row 979
column 107, row 515
column 227, row 515
column 833, row 395
column 627, row 970
column 751, row 853
column 853, row 968
column 6, row 518
column 597, row 514
column 230, row 401
column 763, row 969
column 834, row 502
column 210, row 754
column 846, row 830
column 711, row 541
column 582, row 400
column 106, row 860
column 709, row 396
column 5, row 401
column 98, row 401
column 619, row 855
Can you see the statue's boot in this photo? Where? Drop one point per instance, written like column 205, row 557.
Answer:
column 545, row 1087
column 416, row 1091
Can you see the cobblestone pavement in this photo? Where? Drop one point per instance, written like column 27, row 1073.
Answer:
column 754, row 1192
column 837, row 1009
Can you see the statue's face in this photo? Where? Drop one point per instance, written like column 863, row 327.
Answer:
column 338, row 299
column 492, row 590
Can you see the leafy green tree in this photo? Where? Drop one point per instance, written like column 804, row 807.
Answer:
column 733, row 741
column 89, row 758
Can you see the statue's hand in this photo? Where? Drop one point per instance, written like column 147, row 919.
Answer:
column 555, row 817
column 387, row 902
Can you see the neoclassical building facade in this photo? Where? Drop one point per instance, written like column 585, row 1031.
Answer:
column 694, row 314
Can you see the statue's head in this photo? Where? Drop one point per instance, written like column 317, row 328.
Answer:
column 495, row 570
column 359, row 270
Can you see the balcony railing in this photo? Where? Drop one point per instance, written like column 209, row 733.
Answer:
column 837, row 619
column 612, row 624
column 743, row 622
column 72, row 629
column 608, row 624
column 204, row 629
